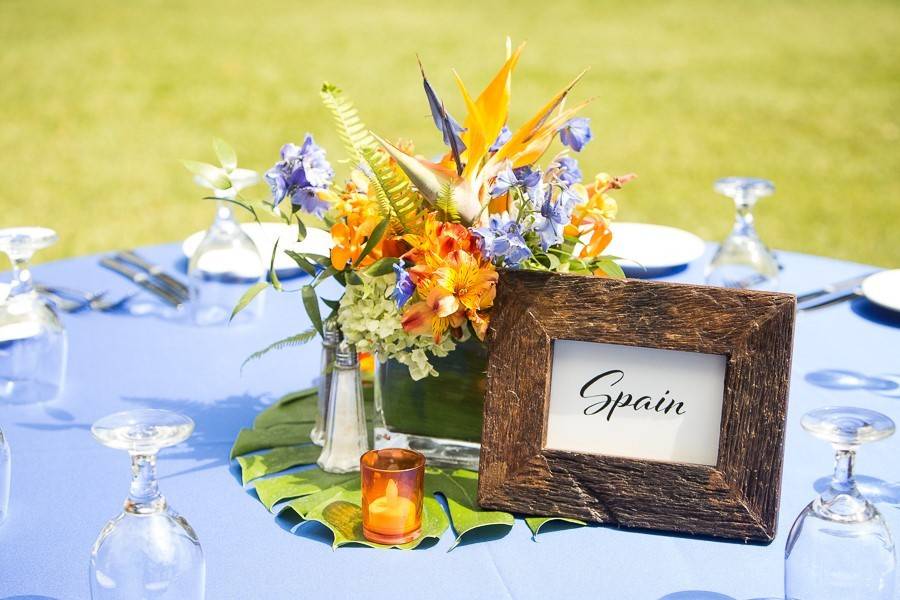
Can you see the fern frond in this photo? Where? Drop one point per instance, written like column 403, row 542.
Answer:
column 294, row 340
column 397, row 198
column 446, row 206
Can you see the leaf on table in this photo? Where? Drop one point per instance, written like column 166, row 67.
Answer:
column 290, row 434
column 338, row 509
column 293, row 408
column 460, row 489
column 535, row 523
column 303, row 483
column 254, row 466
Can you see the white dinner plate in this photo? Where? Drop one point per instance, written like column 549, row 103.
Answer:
column 264, row 235
column 883, row 289
column 653, row 247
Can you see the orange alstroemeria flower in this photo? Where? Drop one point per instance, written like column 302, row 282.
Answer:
column 349, row 241
column 456, row 291
column 590, row 220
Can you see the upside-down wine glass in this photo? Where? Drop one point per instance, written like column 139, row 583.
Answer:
column 840, row 546
column 32, row 338
column 226, row 262
column 148, row 551
column 743, row 260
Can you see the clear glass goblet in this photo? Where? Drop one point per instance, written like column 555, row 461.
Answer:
column 743, row 260
column 840, row 546
column 33, row 342
column 225, row 263
column 148, row 551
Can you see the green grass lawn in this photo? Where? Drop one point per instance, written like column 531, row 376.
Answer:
column 100, row 100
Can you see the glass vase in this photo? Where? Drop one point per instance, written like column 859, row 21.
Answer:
column 437, row 416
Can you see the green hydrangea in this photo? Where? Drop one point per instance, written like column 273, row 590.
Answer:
column 370, row 319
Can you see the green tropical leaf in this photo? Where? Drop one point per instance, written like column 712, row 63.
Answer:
column 273, row 275
column 382, row 266
column 276, row 436
column 311, row 303
column 254, row 466
column 290, row 409
column 302, row 262
column 460, row 488
column 225, row 154
column 298, row 339
column 610, row 267
column 373, row 239
column 334, row 499
column 303, row 483
column 247, row 298
column 536, row 523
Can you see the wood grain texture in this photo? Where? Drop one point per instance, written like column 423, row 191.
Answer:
column 738, row 498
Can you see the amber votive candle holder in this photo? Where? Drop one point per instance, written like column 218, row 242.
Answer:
column 393, row 488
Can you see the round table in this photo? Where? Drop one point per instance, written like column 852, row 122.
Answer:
column 66, row 486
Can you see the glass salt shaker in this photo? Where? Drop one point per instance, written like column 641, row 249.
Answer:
column 346, row 436
column 331, row 337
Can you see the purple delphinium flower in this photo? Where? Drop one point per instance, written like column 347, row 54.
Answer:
column 576, row 133
column 523, row 178
column 550, row 223
column 503, row 238
column 503, row 137
column 300, row 174
column 505, row 180
column 404, row 288
column 569, row 172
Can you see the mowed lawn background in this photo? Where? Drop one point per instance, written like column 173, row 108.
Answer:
column 100, row 100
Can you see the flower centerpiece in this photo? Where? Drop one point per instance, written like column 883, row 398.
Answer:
column 417, row 244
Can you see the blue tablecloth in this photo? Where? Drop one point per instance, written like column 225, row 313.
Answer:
column 66, row 485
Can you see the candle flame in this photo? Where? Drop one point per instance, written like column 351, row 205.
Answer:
column 390, row 492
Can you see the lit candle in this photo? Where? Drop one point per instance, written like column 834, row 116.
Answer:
column 392, row 492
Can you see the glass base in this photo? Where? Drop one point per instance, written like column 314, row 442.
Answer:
column 439, row 452
column 21, row 391
column 380, row 538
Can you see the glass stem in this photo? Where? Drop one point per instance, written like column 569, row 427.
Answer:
column 842, row 482
column 144, row 496
column 743, row 218
column 224, row 211
column 21, row 276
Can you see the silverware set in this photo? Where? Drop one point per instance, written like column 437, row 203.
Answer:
column 833, row 293
column 147, row 276
column 130, row 265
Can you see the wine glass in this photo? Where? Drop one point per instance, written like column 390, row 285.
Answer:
column 840, row 546
column 148, row 551
column 33, row 341
column 226, row 262
column 743, row 261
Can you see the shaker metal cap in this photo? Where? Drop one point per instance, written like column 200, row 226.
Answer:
column 346, row 355
column 331, row 333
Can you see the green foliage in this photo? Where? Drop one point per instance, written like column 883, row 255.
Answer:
column 396, row 196
column 334, row 499
column 373, row 240
column 248, row 297
column 297, row 339
column 445, row 205
column 311, row 304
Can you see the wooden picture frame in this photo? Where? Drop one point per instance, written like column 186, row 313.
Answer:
column 737, row 498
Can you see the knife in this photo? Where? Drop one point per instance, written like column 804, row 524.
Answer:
column 831, row 288
column 833, row 298
column 142, row 279
column 175, row 286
